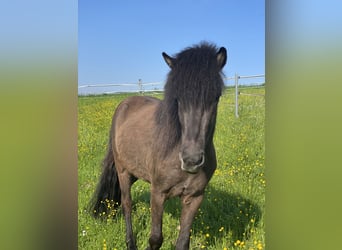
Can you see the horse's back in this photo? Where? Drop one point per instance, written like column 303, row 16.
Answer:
column 134, row 130
column 132, row 107
column 137, row 102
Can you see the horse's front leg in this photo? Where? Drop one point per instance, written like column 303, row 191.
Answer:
column 190, row 207
column 126, row 182
column 157, row 207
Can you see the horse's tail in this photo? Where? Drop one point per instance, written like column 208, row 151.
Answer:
column 107, row 197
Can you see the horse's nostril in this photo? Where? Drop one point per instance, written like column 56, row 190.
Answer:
column 200, row 160
column 194, row 160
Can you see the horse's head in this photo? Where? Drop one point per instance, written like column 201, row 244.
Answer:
column 197, row 86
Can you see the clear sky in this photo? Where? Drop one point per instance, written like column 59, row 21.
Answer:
column 122, row 41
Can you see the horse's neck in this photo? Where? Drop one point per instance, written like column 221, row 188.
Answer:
column 168, row 128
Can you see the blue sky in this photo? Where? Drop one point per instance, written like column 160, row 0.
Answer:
column 122, row 41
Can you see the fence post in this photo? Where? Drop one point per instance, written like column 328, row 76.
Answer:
column 140, row 86
column 236, row 95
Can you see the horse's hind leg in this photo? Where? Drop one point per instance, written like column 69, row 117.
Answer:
column 126, row 181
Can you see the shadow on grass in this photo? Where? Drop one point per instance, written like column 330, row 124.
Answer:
column 220, row 212
column 231, row 213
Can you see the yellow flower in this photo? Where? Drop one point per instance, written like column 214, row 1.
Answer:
column 104, row 245
column 207, row 235
column 237, row 243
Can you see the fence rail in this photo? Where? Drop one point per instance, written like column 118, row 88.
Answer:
column 237, row 93
column 141, row 87
column 138, row 87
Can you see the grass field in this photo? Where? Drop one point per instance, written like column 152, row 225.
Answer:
column 232, row 213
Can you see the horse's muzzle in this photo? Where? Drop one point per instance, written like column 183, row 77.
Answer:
column 192, row 163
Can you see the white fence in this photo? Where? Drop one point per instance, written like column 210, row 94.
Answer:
column 237, row 92
column 141, row 87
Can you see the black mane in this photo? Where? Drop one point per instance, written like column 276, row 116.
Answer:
column 195, row 79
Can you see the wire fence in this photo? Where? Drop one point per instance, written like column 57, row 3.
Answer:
column 112, row 88
column 237, row 92
column 142, row 87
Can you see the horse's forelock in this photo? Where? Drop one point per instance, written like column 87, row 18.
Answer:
column 195, row 77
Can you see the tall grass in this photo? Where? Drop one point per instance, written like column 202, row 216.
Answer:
column 232, row 213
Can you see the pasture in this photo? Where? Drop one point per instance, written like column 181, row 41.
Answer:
column 232, row 213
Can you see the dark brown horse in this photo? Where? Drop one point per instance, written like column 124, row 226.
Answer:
column 167, row 143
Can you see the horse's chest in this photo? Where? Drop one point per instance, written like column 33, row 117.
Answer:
column 191, row 186
column 194, row 184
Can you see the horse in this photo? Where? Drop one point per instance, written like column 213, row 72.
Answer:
column 167, row 143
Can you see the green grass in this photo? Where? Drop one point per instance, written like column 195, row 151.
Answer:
column 232, row 213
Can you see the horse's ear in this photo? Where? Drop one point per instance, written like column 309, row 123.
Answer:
column 222, row 57
column 169, row 60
